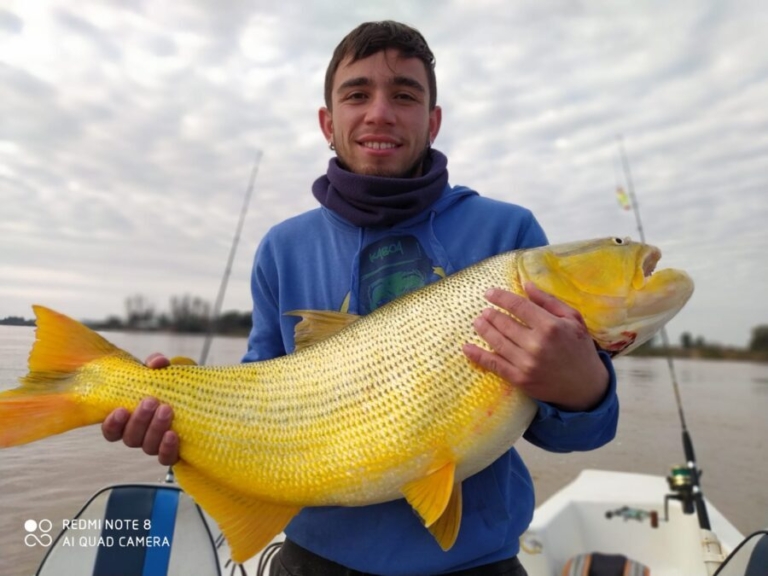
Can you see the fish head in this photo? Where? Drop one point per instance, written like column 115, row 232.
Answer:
column 613, row 283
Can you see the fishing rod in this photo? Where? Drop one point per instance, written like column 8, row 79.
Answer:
column 169, row 477
column 228, row 269
column 684, row 481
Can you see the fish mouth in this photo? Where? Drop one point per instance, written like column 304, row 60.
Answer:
column 646, row 266
column 656, row 297
column 650, row 259
column 658, row 293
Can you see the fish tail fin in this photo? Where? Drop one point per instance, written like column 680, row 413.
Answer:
column 63, row 345
column 45, row 404
column 24, row 419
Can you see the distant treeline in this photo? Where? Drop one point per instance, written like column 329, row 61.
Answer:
column 192, row 314
column 697, row 347
column 188, row 314
column 16, row 321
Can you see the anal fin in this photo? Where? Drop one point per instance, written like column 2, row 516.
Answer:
column 429, row 496
column 446, row 529
column 247, row 523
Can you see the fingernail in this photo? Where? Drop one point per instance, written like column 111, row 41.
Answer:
column 164, row 412
column 120, row 417
column 148, row 405
column 490, row 293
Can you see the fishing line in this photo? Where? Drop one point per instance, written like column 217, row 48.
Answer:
column 690, row 457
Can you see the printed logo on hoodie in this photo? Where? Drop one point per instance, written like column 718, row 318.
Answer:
column 391, row 267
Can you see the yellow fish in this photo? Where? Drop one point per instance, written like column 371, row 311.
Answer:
column 386, row 406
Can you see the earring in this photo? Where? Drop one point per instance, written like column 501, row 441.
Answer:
column 331, row 146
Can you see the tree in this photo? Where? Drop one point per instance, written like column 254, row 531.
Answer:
column 686, row 340
column 190, row 314
column 759, row 341
column 139, row 311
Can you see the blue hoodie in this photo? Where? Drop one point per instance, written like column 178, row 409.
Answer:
column 320, row 261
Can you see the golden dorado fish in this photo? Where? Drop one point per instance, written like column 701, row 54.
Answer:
column 386, row 406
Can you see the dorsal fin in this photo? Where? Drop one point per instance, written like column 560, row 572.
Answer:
column 317, row 325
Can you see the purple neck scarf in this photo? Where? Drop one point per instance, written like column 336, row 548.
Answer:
column 377, row 201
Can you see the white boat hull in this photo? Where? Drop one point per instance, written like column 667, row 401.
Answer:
column 573, row 521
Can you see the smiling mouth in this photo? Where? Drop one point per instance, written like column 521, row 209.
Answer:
column 373, row 145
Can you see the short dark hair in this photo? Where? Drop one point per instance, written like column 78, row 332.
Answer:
column 372, row 37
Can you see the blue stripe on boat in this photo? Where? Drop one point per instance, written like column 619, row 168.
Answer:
column 163, row 523
column 123, row 507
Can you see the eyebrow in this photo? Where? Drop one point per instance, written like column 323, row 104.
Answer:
column 397, row 81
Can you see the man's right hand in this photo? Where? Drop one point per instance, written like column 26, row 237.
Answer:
column 148, row 427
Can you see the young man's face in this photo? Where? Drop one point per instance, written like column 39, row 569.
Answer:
column 380, row 123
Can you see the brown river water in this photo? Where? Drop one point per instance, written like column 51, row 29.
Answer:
column 726, row 409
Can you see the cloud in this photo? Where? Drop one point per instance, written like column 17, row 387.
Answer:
column 130, row 131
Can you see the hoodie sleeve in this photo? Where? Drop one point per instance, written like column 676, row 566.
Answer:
column 563, row 431
column 530, row 234
column 265, row 340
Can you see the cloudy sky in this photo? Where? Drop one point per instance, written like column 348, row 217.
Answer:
column 128, row 131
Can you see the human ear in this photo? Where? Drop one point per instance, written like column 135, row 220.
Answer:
column 326, row 123
column 435, row 119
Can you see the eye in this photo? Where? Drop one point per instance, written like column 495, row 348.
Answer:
column 619, row 241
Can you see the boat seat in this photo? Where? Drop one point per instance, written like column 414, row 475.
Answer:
column 596, row 564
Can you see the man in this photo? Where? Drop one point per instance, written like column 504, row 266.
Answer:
column 390, row 222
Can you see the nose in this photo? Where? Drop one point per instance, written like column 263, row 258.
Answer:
column 380, row 110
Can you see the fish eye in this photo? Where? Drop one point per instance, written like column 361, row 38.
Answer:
column 618, row 241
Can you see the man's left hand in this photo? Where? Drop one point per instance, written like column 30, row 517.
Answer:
column 549, row 353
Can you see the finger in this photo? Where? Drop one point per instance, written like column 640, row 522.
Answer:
column 509, row 326
column 137, row 425
column 114, row 425
column 496, row 329
column 168, row 454
column 158, row 426
column 157, row 360
column 550, row 303
column 520, row 307
column 493, row 363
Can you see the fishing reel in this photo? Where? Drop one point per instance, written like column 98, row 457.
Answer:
column 684, row 489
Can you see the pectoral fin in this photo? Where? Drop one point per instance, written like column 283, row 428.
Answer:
column 182, row 361
column 317, row 325
column 247, row 524
column 430, row 495
column 446, row 529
